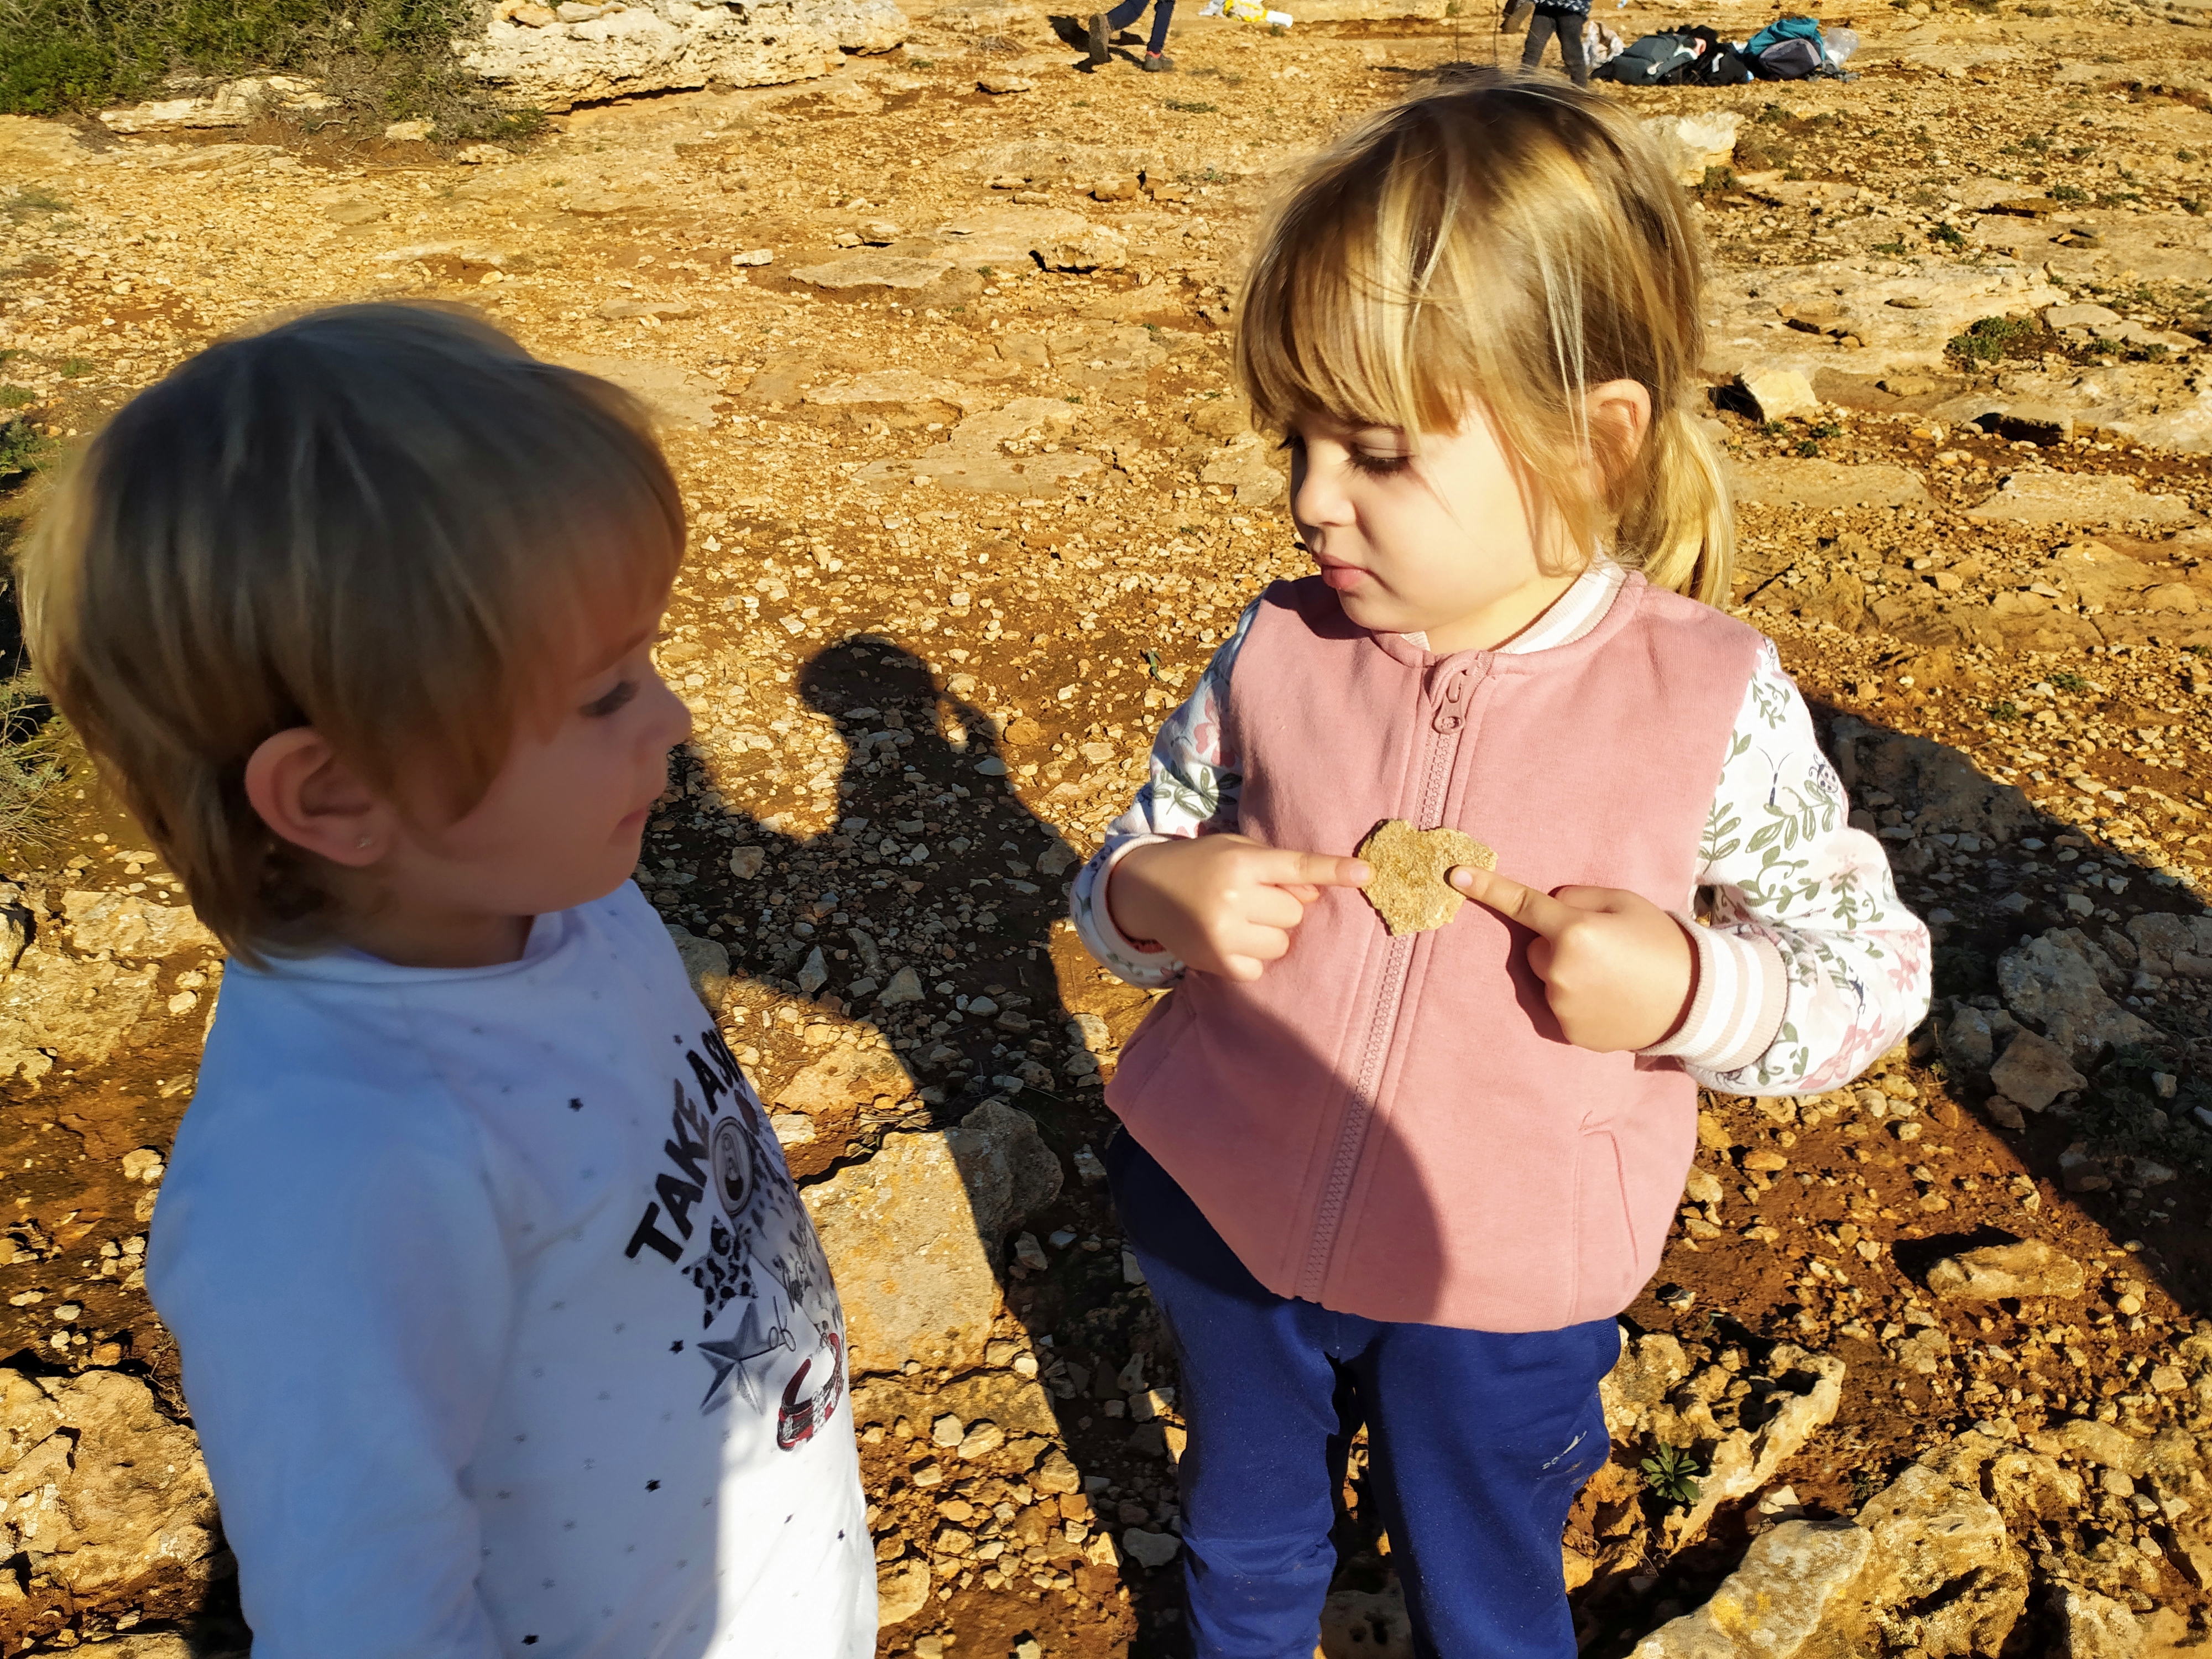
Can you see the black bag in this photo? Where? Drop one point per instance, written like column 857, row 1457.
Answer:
column 1723, row 67
column 1651, row 61
column 1790, row 60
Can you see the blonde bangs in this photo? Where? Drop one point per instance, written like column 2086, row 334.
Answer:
column 1510, row 243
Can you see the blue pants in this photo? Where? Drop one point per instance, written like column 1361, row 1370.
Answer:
column 1130, row 10
column 1478, row 1443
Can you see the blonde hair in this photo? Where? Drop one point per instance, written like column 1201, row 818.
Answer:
column 1513, row 243
column 387, row 522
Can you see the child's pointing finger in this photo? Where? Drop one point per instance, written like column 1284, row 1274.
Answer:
column 1538, row 911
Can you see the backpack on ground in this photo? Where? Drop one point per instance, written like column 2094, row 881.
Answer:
column 1651, row 61
column 1782, row 28
column 1790, row 60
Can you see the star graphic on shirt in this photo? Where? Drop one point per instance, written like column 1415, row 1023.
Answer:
column 737, row 1358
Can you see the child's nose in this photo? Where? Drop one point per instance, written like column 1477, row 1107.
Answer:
column 1316, row 498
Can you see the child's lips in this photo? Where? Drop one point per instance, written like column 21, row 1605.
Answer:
column 1342, row 577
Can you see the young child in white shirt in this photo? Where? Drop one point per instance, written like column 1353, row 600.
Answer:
column 503, row 1328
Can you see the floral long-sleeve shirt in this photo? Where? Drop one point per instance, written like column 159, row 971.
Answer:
column 1808, row 965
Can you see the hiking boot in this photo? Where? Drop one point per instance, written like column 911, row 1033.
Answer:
column 1155, row 65
column 1098, row 58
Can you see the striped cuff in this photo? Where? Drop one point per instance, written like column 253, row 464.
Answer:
column 1742, row 989
column 1094, row 924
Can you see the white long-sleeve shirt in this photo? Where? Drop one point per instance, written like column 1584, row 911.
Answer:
column 503, row 1328
column 1847, row 972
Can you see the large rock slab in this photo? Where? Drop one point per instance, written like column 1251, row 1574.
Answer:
column 2055, row 980
column 1820, row 484
column 2031, row 1267
column 2033, row 1072
column 2079, row 498
column 1795, row 1394
column 672, row 396
column 105, row 1494
column 2167, row 945
column 659, row 46
column 1787, row 318
column 1928, row 1564
column 1778, row 1604
column 913, row 1235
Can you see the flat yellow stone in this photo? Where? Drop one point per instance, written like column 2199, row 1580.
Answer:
column 1408, row 890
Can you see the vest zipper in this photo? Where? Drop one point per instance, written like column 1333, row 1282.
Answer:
column 1445, row 731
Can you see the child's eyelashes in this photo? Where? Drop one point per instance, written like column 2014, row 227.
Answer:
column 1374, row 463
column 601, row 707
column 1377, row 465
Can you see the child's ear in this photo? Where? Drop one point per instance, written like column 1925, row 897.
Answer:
column 309, row 797
column 1619, row 421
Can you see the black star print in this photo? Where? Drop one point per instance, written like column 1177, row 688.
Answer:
column 653, row 1486
column 675, row 1347
column 573, row 1106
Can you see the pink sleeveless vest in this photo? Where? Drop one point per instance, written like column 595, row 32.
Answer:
column 1396, row 1128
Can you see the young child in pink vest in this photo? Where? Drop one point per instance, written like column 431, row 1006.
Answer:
column 1408, row 1180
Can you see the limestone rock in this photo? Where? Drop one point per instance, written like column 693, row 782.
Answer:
column 1095, row 247
column 108, row 1495
column 2168, row 945
column 1009, row 1171
column 2033, row 1072
column 1780, row 393
column 1928, row 1564
column 901, row 1590
column 2053, row 982
column 57, row 1008
column 912, row 1234
column 706, row 963
column 1822, row 484
column 1690, row 144
column 1017, row 1404
column 1648, row 1369
column 2093, row 1627
column 1968, row 1042
column 674, row 396
column 1244, row 465
column 844, row 1079
column 916, row 1280
column 874, row 268
column 1356, row 1624
column 1776, row 1604
column 1150, row 1549
column 657, row 45
column 2107, row 1447
column 1945, row 1560
column 1805, row 1390
column 128, row 926
column 2030, row 1267
column 2079, row 498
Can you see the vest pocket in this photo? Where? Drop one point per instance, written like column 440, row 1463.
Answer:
column 1605, row 1235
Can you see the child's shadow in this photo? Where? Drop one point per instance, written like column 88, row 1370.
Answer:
column 935, row 862
column 927, row 875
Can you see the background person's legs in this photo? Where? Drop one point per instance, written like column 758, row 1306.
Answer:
column 1163, row 14
column 1574, row 50
column 1540, row 35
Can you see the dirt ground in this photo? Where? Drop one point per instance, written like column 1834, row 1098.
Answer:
column 926, row 656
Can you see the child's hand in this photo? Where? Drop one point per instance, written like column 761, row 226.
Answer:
column 1617, row 971
column 1225, row 904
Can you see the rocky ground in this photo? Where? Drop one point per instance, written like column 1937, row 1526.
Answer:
column 939, row 341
